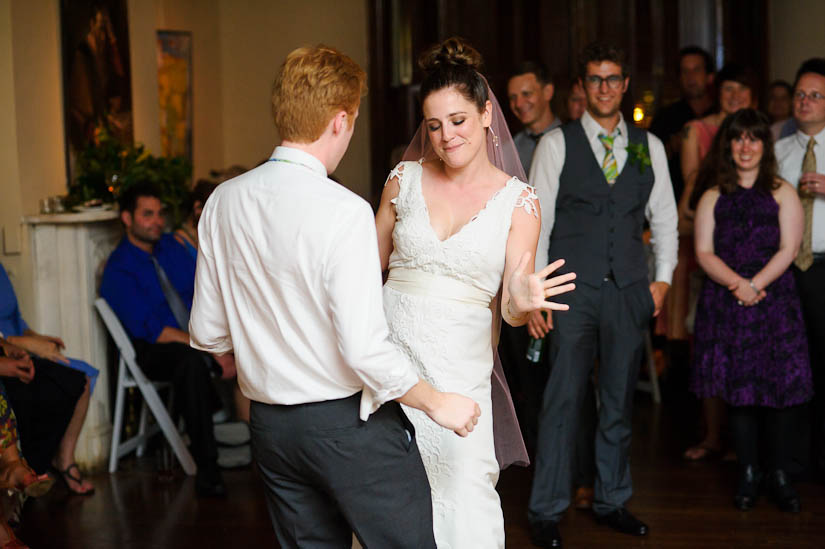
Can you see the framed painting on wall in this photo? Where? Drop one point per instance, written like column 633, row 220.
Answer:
column 97, row 89
column 174, row 51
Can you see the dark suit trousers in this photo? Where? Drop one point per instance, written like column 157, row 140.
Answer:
column 195, row 397
column 610, row 322
column 328, row 474
column 811, row 286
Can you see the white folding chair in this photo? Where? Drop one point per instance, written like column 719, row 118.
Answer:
column 130, row 375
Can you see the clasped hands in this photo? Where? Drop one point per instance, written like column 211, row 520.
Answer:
column 529, row 291
column 17, row 363
column 44, row 346
column 745, row 293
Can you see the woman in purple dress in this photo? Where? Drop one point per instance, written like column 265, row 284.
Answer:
column 750, row 347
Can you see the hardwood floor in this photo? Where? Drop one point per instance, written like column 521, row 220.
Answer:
column 685, row 505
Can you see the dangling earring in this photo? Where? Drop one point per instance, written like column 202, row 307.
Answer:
column 495, row 137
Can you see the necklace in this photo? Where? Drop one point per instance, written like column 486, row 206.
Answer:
column 291, row 162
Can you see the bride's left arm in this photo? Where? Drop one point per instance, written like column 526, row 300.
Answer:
column 385, row 221
column 524, row 291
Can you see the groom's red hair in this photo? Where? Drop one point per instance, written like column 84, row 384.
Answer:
column 313, row 84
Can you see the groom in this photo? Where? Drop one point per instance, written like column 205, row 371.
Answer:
column 598, row 179
column 288, row 279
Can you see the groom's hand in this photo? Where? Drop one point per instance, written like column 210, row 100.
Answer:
column 455, row 412
column 450, row 410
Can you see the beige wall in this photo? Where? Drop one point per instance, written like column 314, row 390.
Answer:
column 11, row 203
column 796, row 28
column 31, row 129
column 237, row 48
column 255, row 37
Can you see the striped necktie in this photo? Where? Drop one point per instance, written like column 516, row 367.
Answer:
column 805, row 257
column 609, row 166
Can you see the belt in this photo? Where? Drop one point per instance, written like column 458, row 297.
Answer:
column 422, row 283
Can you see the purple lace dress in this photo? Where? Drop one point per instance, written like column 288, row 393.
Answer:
column 750, row 356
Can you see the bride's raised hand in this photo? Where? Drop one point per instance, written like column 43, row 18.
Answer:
column 529, row 291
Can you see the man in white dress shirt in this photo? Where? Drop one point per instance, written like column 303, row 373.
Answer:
column 598, row 180
column 808, row 175
column 288, row 279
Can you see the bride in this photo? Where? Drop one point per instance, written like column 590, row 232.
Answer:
column 453, row 229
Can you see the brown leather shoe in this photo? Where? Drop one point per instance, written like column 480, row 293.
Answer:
column 583, row 498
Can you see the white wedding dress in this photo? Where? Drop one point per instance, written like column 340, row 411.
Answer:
column 437, row 300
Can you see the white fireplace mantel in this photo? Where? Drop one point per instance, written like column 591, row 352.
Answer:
column 68, row 254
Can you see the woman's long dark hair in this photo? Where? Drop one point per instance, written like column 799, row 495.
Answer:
column 718, row 168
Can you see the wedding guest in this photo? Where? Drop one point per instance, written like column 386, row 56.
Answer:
column 736, row 85
column 529, row 92
column 288, row 279
column 598, row 179
column 187, row 233
column 15, row 473
column 51, row 399
column 750, row 345
column 149, row 281
column 696, row 77
column 801, row 158
column 576, row 101
column 779, row 106
column 219, row 176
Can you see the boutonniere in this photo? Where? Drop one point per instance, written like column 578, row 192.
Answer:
column 638, row 154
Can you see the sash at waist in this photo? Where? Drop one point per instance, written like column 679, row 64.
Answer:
column 422, row 283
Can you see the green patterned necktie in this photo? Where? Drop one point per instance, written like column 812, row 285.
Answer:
column 609, row 166
column 805, row 257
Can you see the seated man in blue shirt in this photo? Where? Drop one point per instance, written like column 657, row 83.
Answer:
column 149, row 281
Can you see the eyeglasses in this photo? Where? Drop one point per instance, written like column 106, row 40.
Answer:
column 594, row 81
column 813, row 96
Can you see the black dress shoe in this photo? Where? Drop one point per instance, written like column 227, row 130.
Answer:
column 747, row 490
column 210, row 485
column 545, row 534
column 782, row 492
column 622, row 521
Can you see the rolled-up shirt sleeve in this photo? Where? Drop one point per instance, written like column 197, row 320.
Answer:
column 544, row 176
column 662, row 215
column 208, row 322
column 353, row 282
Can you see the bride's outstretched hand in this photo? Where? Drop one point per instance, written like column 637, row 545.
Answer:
column 529, row 292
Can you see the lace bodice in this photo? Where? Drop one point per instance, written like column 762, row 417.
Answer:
column 475, row 254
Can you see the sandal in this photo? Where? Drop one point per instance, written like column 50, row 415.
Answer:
column 701, row 451
column 16, row 475
column 66, row 476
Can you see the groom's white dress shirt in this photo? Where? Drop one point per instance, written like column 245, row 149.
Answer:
column 660, row 209
column 289, row 279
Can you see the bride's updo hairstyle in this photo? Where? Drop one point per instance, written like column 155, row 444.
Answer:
column 453, row 64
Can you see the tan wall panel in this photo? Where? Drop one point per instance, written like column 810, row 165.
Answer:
column 255, row 38
column 796, row 35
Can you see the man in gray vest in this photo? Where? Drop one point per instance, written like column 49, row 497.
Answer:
column 599, row 179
